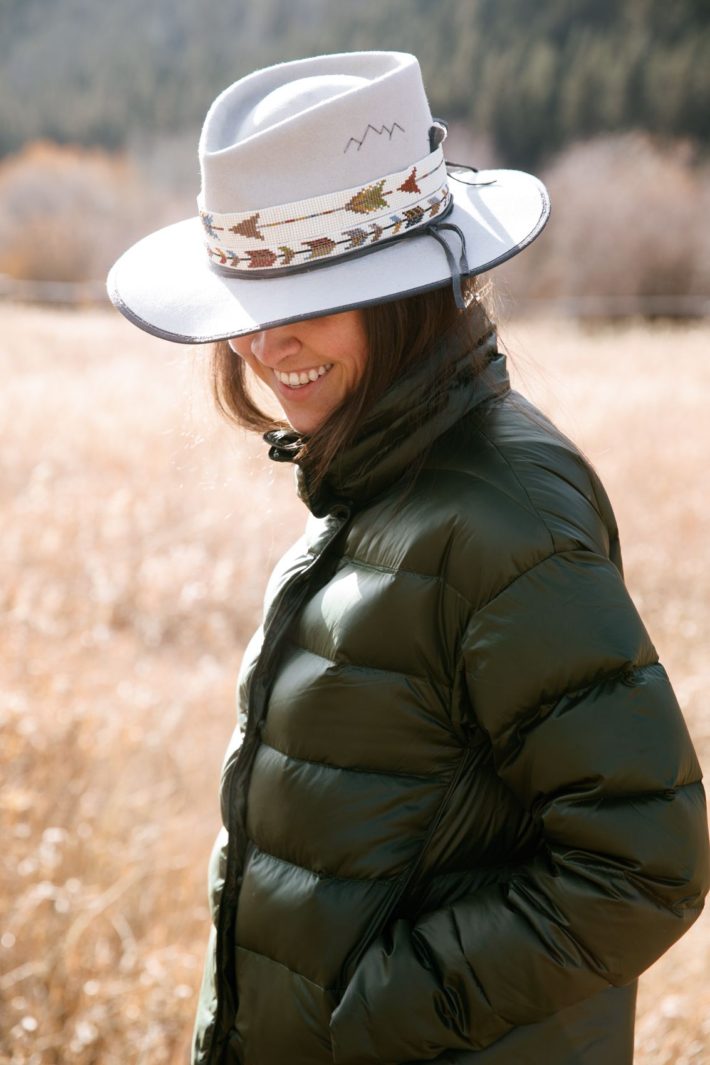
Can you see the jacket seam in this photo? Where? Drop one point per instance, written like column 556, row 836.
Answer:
column 556, row 552
column 419, row 777
column 473, row 475
column 327, row 876
column 516, row 578
column 612, row 674
column 488, row 873
column 518, row 478
column 520, row 886
column 529, row 714
column 364, row 668
column 469, row 965
column 379, row 568
column 659, row 794
column 640, row 881
column 606, row 513
column 283, row 965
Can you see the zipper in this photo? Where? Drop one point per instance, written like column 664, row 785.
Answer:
column 383, row 915
column 281, row 617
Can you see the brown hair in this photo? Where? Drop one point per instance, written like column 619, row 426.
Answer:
column 399, row 333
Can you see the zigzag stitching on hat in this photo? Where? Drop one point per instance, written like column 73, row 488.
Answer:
column 379, row 132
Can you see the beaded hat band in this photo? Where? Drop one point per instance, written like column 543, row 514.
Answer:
column 328, row 226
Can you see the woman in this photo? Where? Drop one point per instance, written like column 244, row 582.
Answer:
column 461, row 809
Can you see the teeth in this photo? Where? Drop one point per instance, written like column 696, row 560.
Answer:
column 302, row 377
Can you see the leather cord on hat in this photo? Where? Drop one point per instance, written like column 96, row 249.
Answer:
column 456, row 269
column 434, row 230
column 452, row 167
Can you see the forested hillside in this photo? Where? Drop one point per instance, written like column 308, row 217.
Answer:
column 530, row 74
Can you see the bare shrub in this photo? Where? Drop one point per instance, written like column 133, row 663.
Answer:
column 67, row 212
column 629, row 218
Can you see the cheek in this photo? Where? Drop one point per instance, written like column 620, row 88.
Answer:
column 362, row 346
column 241, row 347
column 358, row 366
column 353, row 341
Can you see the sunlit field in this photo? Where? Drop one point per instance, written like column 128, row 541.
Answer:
column 137, row 535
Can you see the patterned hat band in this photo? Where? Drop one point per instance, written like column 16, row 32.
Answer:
column 304, row 233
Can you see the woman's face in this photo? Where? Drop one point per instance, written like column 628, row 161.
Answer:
column 310, row 366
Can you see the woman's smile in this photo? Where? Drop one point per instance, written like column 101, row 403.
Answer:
column 310, row 366
column 296, row 379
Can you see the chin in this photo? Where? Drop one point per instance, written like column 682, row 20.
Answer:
column 304, row 422
column 305, row 426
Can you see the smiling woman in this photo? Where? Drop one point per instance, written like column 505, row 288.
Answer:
column 371, row 348
column 311, row 367
column 461, row 811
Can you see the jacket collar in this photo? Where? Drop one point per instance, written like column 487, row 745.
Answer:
column 406, row 420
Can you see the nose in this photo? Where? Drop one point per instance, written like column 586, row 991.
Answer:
column 272, row 346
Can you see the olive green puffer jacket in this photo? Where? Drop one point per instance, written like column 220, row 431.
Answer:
column 465, row 813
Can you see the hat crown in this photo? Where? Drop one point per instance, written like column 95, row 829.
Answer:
column 289, row 100
column 312, row 127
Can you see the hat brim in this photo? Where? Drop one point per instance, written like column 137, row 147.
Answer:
column 165, row 284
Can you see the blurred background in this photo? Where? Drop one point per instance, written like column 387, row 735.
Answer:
column 138, row 531
column 609, row 100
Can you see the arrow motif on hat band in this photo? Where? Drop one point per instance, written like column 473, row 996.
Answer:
column 414, row 216
column 321, row 247
column 208, row 223
column 223, row 256
column 261, row 257
column 368, row 199
column 265, row 259
column 248, row 228
column 357, row 237
column 410, row 185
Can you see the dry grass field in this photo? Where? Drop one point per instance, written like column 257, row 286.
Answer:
column 137, row 533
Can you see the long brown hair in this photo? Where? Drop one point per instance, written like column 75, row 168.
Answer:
column 399, row 332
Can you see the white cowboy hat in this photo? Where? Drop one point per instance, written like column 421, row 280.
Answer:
column 324, row 187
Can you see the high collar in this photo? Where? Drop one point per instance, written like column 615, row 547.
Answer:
column 404, row 422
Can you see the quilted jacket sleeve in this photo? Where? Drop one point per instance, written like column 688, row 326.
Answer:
column 587, row 734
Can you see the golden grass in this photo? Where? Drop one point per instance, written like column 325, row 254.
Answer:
column 137, row 538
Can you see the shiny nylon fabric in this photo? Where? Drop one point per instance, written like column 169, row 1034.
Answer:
column 463, row 809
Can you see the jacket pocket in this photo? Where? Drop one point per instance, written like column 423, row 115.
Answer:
column 387, row 911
